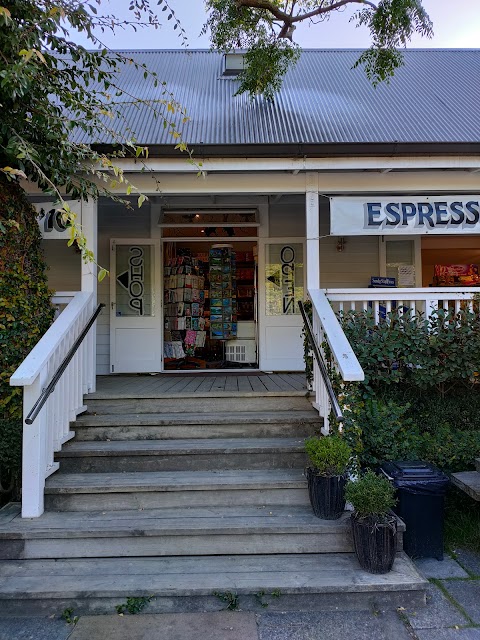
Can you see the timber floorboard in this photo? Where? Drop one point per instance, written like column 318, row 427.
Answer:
column 201, row 383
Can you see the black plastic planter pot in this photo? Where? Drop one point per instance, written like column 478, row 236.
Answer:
column 374, row 543
column 327, row 495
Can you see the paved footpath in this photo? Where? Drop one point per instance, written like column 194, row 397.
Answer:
column 452, row 613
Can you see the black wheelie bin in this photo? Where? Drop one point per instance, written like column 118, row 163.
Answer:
column 421, row 491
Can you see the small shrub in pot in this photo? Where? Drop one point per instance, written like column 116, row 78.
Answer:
column 374, row 527
column 329, row 459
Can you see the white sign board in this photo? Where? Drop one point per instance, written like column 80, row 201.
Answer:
column 393, row 215
column 50, row 220
column 406, row 275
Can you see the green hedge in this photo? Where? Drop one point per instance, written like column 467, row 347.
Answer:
column 435, row 354
column 10, row 456
column 420, row 398
column 381, row 429
column 25, row 314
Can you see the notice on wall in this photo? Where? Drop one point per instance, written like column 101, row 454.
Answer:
column 414, row 215
column 406, row 276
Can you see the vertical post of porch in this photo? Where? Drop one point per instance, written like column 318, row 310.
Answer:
column 89, row 283
column 313, row 230
column 34, row 451
column 313, row 280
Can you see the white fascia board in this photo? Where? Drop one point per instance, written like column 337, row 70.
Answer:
column 328, row 183
column 295, row 165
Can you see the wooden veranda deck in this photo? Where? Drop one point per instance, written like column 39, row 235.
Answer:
column 201, row 383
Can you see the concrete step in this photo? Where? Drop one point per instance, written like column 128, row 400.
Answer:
column 176, row 532
column 469, row 482
column 193, row 403
column 117, row 491
column 182, row 455
column 298, row 582
column 162, row 426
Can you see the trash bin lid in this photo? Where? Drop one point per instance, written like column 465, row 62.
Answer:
column 411, row 470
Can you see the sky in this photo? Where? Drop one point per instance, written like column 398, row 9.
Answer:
column 456, row 23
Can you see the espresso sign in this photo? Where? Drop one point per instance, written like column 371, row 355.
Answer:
column 412, row 215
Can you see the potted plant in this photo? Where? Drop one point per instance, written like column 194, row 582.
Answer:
column 329, row 458
column 374, row 526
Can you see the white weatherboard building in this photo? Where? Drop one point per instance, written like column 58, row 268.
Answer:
column 333, row 183
column 330, row 191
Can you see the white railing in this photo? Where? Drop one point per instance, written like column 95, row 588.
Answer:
column 326, row 328
column 382, row 301
column 51, row 428
column 327, row 303
column 61, row 299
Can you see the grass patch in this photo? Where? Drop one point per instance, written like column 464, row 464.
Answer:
column 230, row 598
column 133, row 605
column 462, row 521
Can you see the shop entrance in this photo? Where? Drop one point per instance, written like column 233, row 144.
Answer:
column 210, row 304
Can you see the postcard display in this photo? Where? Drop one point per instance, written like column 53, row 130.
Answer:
column 185, row 323
column 223, row 294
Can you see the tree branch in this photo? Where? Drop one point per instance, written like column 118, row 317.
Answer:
column 288, row 19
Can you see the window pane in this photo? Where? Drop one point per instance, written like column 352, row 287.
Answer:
column 284, row 278
column 209, row 232
column 213, row 217
column 134, row 286
column 400, row 262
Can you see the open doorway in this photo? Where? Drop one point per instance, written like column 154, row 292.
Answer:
column 210, row 304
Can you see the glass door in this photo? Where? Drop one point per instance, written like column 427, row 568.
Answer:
column 281, row 286
column 135, row 314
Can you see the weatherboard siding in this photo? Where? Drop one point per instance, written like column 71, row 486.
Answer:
column 64, row 264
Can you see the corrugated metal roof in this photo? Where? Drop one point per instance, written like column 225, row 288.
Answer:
column 433, row 98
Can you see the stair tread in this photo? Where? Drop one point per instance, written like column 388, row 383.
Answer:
column 222, row 417
column 200, row 575
column 468, row 481
column 191, row 446
column 174, row 521
column 153, row 395
column 174, row 481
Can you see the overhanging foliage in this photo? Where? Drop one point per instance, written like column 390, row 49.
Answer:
column 50, row 87
column 265, row 29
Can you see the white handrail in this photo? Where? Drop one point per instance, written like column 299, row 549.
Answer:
column 326, row 328
column 63, row 297
column 343, row 354
column 33, row 364
column 51, row 428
